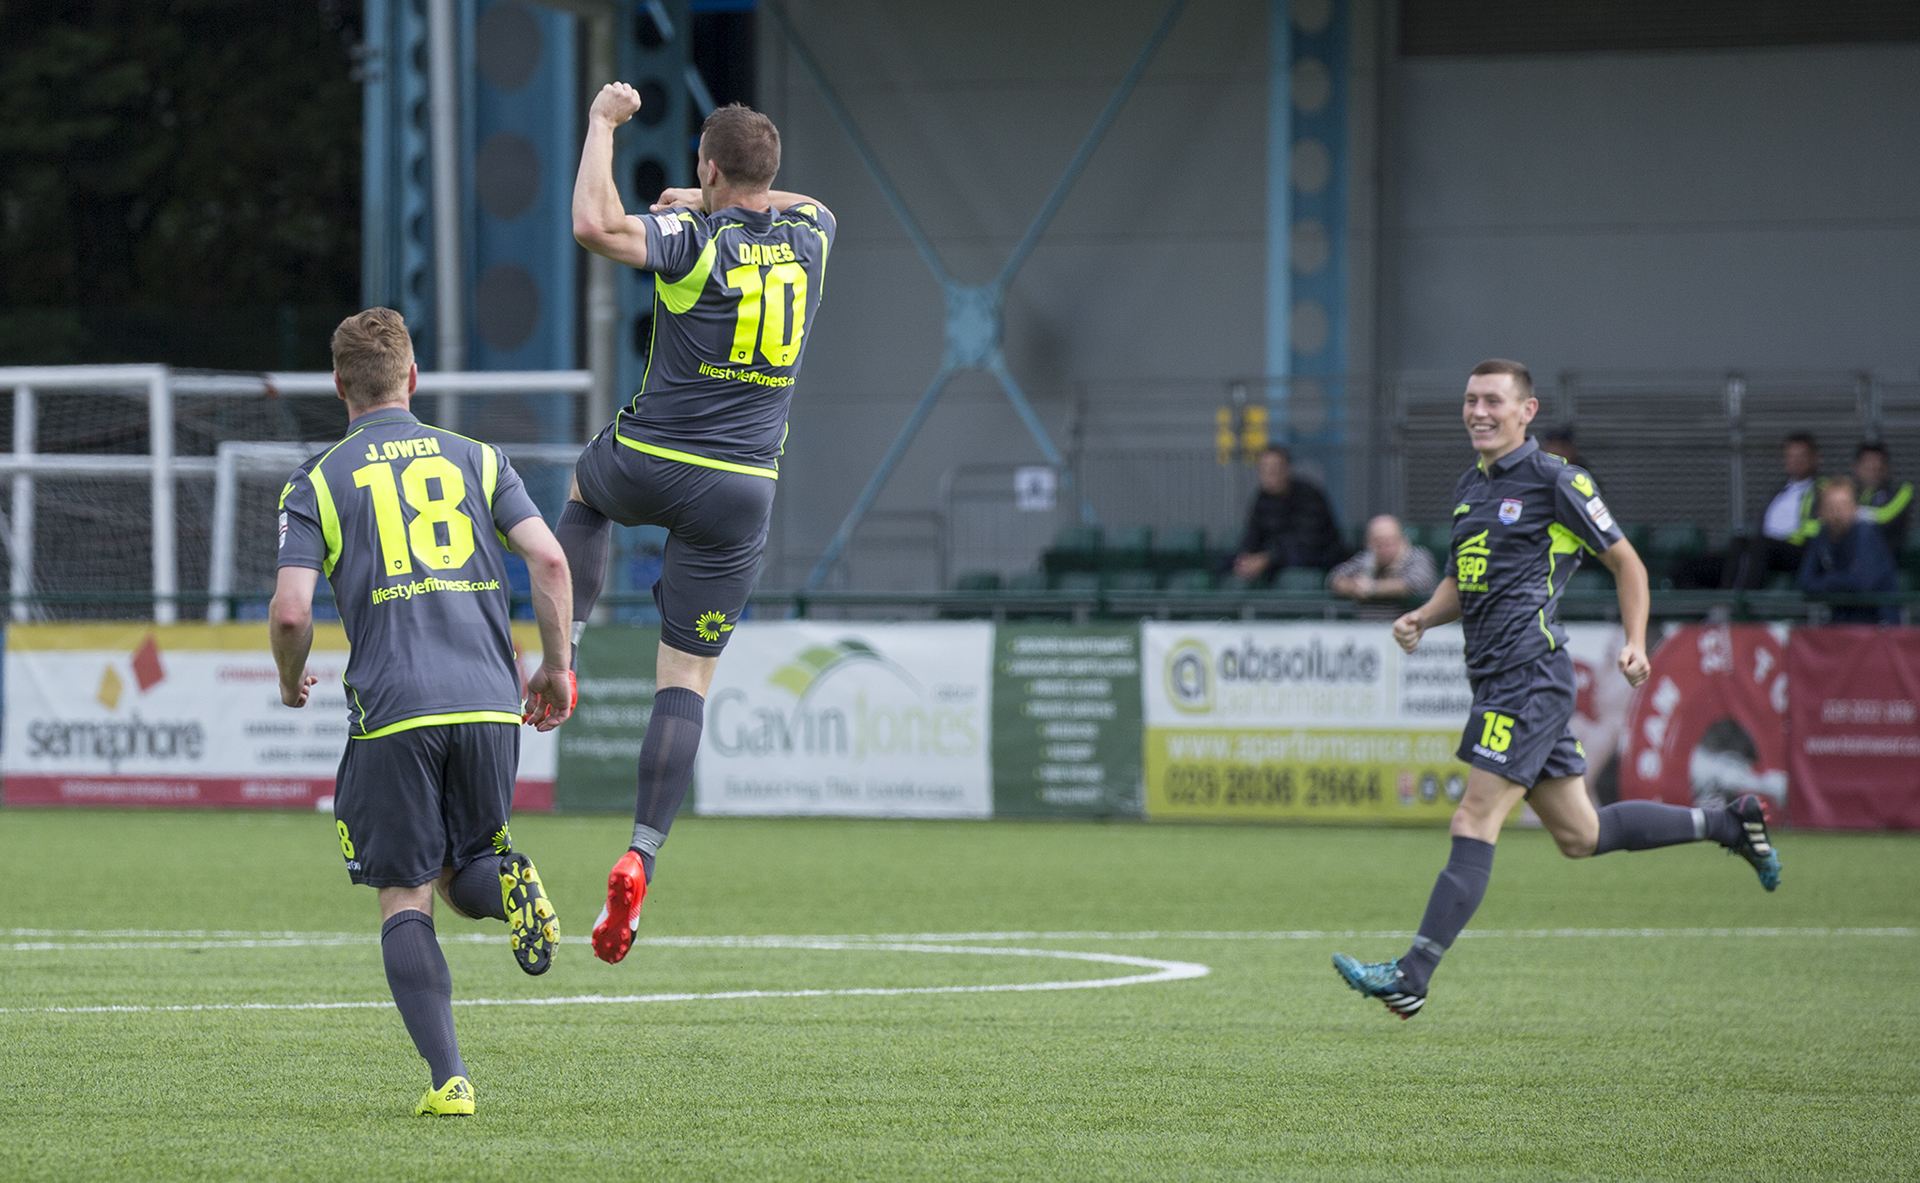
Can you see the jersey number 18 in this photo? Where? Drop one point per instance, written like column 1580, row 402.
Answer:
column 431, row 515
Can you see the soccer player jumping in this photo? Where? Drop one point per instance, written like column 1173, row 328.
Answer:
column 738, row 270
column 1522, row 519
column 406, row 520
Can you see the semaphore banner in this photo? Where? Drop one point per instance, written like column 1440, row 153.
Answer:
column 864, row 720
column 190, row 715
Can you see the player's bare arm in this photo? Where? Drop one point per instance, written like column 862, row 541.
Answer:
column 290, row 632
column 1630, row 577
column 600, row 222
column 1443, row 607
column 550, row 691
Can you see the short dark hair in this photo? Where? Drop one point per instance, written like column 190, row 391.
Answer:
column 1522, row 377
column 372, row 353
column 1871, row 446
column 743, row 143
column 1801, row 437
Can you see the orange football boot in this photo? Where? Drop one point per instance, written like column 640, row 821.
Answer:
column 626, row 888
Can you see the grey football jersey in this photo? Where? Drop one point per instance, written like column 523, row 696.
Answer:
column 406, row 520
column 736, row 294
column 1519, row 530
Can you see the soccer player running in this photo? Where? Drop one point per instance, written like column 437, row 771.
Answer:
column 402, row 518
column 738, row 269
column 1521, row 521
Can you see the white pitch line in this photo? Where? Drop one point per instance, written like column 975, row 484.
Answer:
column 1163, row 971
column 207, row 939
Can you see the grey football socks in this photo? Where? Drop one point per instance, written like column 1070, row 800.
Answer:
column 1456, row 895
column 586, row 537
column 475, row 888
column 423, row 990
column 1648, row 825
column 666, row 767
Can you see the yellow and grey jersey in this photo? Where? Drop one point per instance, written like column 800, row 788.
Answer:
column 406, row 521
column 736, row 294
column 1520, row 526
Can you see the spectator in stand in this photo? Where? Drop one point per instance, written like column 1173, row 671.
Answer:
column 1389, row 569
column 1849, row 558
column 1882, row 502
column 1290, row 524
column 1787, row 524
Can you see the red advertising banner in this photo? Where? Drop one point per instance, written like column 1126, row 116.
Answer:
column 1855, row 736
column 1710, row 722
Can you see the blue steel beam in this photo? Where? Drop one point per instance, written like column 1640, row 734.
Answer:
column 974, row 314
column 1087, row 146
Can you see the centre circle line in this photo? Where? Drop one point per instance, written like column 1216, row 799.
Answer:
column 1161, row 971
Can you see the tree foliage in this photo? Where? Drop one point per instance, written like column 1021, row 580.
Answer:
column 171, row 154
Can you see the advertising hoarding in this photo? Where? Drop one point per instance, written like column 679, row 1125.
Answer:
column 819, row 717
column 190, row 715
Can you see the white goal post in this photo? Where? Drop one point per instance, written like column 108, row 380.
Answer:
column 159, row 386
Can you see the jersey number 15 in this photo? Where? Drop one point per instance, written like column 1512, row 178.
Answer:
column 773, row 311
column 402, row 541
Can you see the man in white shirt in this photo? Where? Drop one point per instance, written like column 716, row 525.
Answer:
column 1788, row 523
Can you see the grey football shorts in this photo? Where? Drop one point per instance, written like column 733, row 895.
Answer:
column 1518, row 725
column 408, row 804
column 716, row 524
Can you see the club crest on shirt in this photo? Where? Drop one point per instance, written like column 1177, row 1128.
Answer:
column 1510, row 511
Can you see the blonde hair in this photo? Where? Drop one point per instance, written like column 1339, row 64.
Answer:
column 371, row 354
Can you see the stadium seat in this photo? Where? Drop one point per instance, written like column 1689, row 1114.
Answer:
column 1028, row 581
column 1139, row 579
column 1781, row 581
column 1677, row 540
column 1641, row 536
column 978, row 581
column 1178, row 548
column 1192, row 579
column 1437, row 537
column 1591, row 581
column 1232, row 582
column 1075, row 548
column 1077, row 582
column 1127, row 548
column 1301, row 579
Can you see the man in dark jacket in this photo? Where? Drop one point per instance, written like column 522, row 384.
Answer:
column 1883, row 501
column 1848, row 559
column 1290, row 524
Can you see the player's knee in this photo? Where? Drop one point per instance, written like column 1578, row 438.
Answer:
column 1577, row 845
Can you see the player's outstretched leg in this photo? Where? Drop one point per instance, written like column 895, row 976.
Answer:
column 665, row 774
column 585, row 535
column 1647, row 825
column 423, row 991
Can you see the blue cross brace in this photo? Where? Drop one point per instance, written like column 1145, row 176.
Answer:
column 975, row 315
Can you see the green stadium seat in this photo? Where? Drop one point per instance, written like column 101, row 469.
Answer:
column 978, row 581
column 1677, row 540
column 1301, row 579
column 1139, row 579
column 1179, row 547
column 1192, row 579
column 1077, row 582
column 1232, row 582
column 1028, row 581
column 1904, row 581
column 1075, row 548
column 1127, row 548
column 1781, row 581
column 1641, row 536
column 1590, row 581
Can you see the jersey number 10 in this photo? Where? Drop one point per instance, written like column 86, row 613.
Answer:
column 430, row 514
column 773, row 310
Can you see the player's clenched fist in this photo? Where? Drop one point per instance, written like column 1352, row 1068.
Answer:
column 1633, row 664
column 1407, row 631
column 615, row 104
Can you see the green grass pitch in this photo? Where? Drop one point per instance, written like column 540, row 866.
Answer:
column 1780, row 1046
